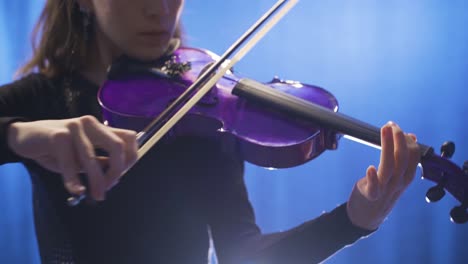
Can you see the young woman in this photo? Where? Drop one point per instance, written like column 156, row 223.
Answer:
column 172, row 201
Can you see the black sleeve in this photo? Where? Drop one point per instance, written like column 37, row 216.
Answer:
column 238, row 239
column 25, row 99
column 6, row 155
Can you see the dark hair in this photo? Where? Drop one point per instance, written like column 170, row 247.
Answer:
column 60, row 39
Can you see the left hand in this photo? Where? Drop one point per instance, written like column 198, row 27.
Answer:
column 374, row 195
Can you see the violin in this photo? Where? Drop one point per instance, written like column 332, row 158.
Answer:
column 278, row 124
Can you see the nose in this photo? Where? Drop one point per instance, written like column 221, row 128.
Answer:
column 156, row 7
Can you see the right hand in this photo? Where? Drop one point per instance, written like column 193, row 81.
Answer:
column 68, row 147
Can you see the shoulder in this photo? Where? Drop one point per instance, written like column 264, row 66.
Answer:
column 31, row 78
column 31, row 84
column 34, row 96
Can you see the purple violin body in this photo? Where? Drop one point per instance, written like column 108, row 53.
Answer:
column 263, row 137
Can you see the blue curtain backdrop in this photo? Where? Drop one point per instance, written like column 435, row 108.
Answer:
column 384, row 60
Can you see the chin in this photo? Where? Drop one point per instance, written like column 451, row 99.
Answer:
column 146, row 53
column 145, row 56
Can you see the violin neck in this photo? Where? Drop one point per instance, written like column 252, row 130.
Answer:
column 299, row 108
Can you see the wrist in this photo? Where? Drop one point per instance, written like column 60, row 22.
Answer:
column 362, row 212
column 360, row 221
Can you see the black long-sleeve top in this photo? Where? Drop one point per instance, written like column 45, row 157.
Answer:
column 166, row 208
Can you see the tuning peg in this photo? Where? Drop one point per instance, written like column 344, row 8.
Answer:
column 276, row 79
column 447, row 149
column 459, row 215
column 435, row 193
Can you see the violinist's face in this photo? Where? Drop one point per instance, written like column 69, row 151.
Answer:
column 138, row 28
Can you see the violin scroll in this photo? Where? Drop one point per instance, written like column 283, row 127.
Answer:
column 437, row 192
column 448, row 177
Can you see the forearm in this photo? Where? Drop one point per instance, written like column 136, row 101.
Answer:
column 25, row 99
column 311, row 242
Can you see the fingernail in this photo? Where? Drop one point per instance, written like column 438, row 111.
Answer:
column 75, row 188
column 80, row 188
column 386, row 130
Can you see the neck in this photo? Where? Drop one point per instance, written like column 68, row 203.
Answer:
column 95, row 71
column 99, row 58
